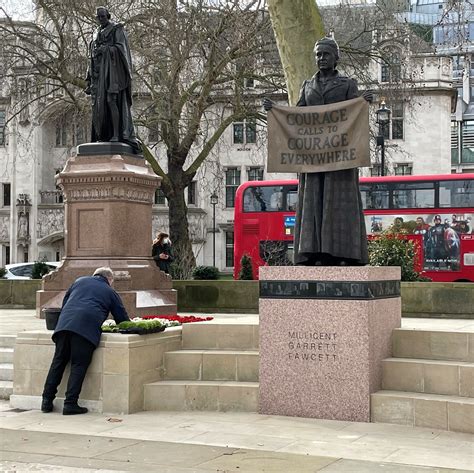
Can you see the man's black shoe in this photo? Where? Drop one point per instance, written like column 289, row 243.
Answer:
column 47, row 405
column 73, row 410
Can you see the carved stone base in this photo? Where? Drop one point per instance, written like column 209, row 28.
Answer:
column 108, row 209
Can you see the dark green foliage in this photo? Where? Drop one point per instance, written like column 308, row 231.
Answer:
column 39, row 270
column 2, row 272
column 246, row 271
column 388, row 249
column 205, row 272
column 425, row 32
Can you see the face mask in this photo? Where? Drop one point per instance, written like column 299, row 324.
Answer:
column 166, row 241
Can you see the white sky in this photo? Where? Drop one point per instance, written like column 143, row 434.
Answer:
column 19, row 9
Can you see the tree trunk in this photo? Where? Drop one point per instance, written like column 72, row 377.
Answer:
column 297, row 26
column 184, row 260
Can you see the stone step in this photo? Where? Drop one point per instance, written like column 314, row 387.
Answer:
column 6, row 371
column 433, row 411
column 212, row 365
column 201, row 396
column 222, row 336
column 433, row 344
column 6, row 389
column 7, row 341
column 454, row 378
column 6, row 355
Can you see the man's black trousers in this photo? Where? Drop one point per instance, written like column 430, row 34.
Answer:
column 70, row 347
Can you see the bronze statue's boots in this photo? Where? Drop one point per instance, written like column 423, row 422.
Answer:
column 47, row 405
column 73, row 409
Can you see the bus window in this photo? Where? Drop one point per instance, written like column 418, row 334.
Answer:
column 292, row 200
column 414, row 195
column 263, row 199
column 374, row 196
column 456, row 193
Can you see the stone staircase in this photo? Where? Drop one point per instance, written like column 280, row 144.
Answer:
column 7, row 343
column 429, row 382
column 217, row 370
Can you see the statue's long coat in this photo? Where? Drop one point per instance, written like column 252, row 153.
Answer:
column 329, row 216
column 110, row 72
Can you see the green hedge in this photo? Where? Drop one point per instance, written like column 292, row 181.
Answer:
column 419, row 299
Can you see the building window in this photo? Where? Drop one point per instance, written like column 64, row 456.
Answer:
column 229, row 249
column 7, row 194
column 232, row 181
column 403, row 169
column 394, row 129
column 7, row 254
column 69, row 133
column 245, row 132
column 454, row 135
column 192, row 193
column 375, row 170
column 160, row 198
column 61, row 134
column 3, row 115
column 153, row 132
column 249, row 82
column 255, row 174
column 391, row 69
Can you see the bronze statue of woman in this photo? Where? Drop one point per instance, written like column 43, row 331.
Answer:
column 330, row 227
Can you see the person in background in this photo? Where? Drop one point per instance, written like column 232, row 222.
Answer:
column 161, row 252
column 86, row 305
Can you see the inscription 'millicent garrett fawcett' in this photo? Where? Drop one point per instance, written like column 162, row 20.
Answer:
column 312, row 346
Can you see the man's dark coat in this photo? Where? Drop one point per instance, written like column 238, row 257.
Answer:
column 86, row 305
column 329, row 216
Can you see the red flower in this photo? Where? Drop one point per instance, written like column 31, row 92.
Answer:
column 178, row 318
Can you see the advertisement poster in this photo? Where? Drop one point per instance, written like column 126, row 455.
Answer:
column 440, row 235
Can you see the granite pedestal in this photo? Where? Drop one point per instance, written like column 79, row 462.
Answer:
column 324, row 332
column 108, row 216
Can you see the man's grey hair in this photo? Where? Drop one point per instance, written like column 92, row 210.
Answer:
column 106, row 272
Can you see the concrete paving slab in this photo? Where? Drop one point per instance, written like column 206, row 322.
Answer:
column 166, row 454
column 262, row 462
column 350, row 451
column 355, row 466
column 431, row 457
column 19, row 467
column 25, row 441
column 118, row 466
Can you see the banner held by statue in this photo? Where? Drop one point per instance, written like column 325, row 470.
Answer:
column 319, row 138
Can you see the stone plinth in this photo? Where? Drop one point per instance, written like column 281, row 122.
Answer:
column 324, row 332
column 121, row 366
column 108, row 217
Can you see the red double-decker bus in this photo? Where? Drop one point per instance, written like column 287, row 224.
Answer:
column 436, row 210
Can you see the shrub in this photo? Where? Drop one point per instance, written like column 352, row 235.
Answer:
column 2, row 272
column 390, row 249
column 246, row 271
column 39, row 269
column 205, row 272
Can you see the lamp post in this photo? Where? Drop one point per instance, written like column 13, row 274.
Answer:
column 383, row 118
column 214, row 202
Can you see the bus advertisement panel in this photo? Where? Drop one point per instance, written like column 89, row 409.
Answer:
column 436, row 211
column 441, row 235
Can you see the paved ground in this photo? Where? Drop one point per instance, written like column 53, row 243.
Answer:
column 205, row 442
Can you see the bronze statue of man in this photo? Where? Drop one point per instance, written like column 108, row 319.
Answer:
column 330, row 227
column 109, row 80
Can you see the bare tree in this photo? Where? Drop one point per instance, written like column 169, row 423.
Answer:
column 193, row 61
